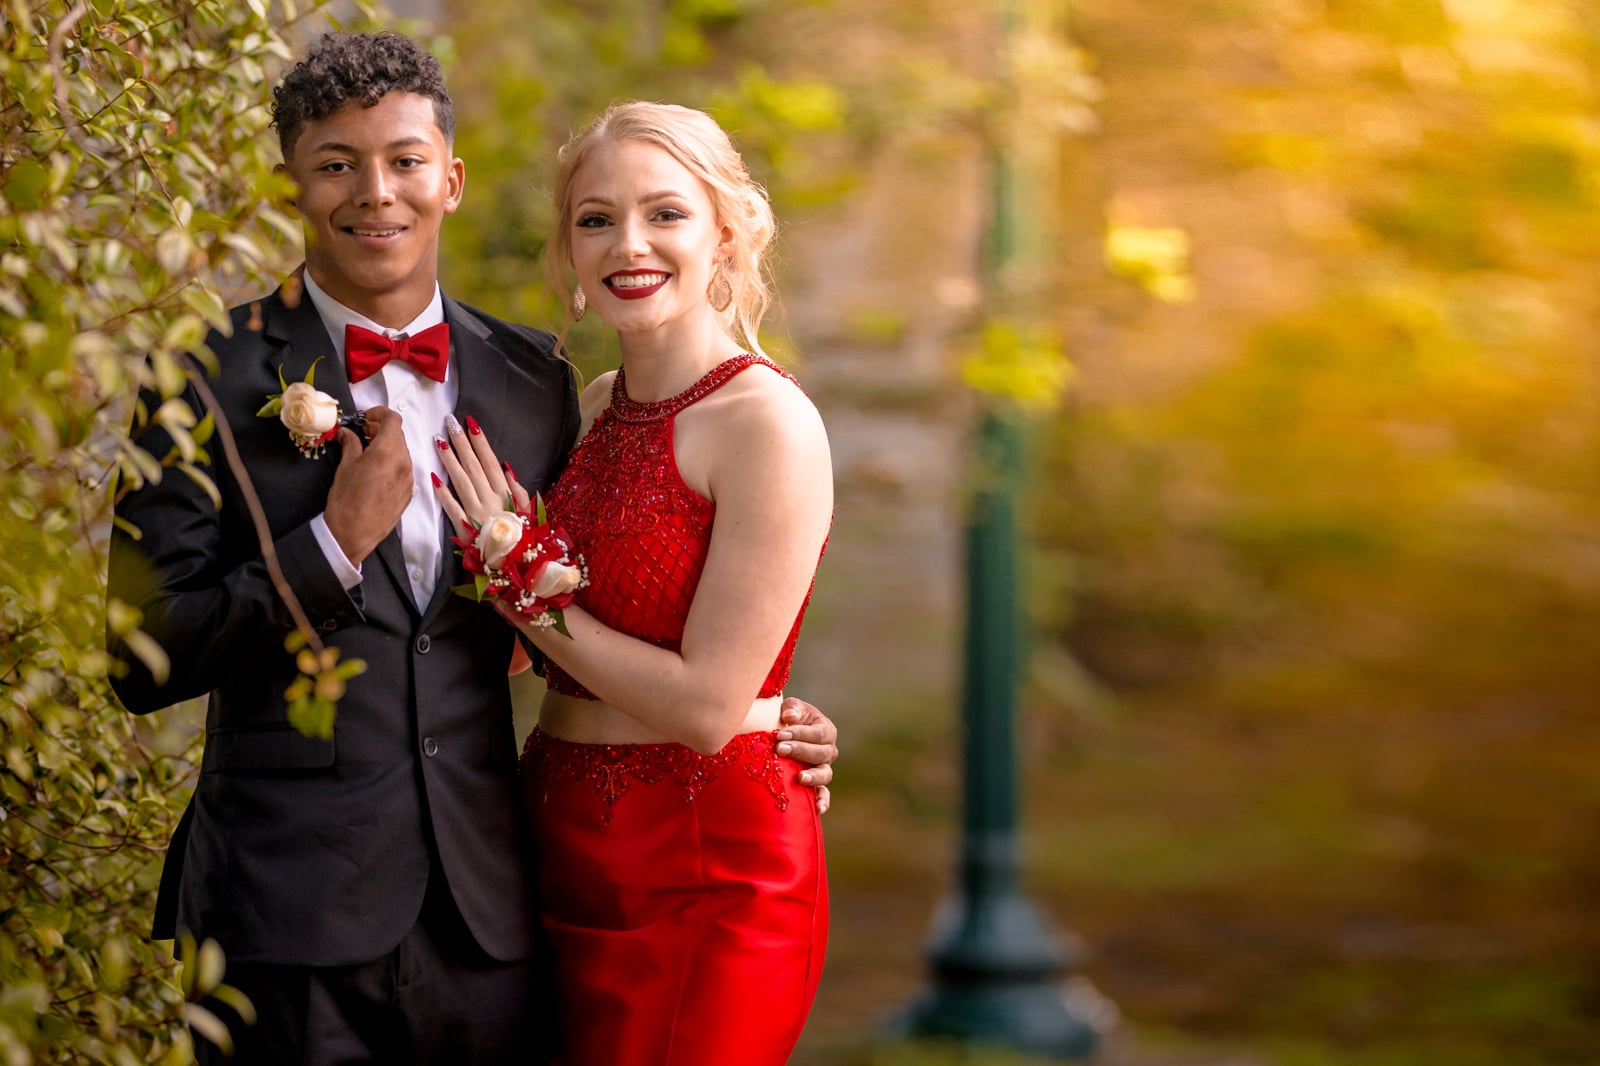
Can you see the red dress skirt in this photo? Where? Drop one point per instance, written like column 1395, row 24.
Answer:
column 684, row 898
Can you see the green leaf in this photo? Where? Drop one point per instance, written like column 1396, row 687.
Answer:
column 349, row 668
column 208, row 304
column 209, row 967
column 272, row 408
column 26, row 185
column 312, row 716
column 236, row 999
column 209, row 1026
column 201, row 478
column 560, row 624
column 154, row 657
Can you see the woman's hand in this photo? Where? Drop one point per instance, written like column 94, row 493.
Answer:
column 481, row 482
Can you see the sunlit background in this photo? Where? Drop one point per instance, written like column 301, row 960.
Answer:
column 1302, row 312
column 1309, row 737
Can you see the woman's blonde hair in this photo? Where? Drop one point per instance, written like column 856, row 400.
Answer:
column 694, row 139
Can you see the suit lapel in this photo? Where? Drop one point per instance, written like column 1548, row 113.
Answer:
column 482, row 370
column 307, row 344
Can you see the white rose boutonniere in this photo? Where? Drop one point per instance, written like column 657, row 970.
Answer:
column 307, row 411
column 310, row 415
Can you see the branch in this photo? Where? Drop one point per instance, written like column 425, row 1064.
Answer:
column 128, row 841
column 258, row 516
column 58, row 64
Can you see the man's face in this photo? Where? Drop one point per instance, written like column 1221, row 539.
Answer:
column 375, row 184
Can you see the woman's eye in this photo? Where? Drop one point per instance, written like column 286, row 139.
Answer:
column 592, row 221
column 671, row 214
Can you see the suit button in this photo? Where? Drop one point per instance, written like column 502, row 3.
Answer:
column 430, row 747
column 423, row 644
column 329, row 625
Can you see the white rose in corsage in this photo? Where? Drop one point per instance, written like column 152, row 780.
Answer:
column 521, row 559
column 499, row 533
column 558, row 578
column 310, row 415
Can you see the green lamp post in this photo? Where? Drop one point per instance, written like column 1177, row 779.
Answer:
column 997, row 969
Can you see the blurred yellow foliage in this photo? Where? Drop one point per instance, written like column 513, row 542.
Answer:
column 1155, row 258
column 1022, row 362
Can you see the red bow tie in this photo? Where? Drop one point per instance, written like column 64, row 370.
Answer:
column 366, row 352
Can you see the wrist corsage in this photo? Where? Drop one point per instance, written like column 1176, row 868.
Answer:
column 311, row 416
column 521, row 560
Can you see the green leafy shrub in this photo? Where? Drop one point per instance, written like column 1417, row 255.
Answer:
column 134, row 133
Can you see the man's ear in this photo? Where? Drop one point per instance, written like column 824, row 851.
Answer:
column 455, row 185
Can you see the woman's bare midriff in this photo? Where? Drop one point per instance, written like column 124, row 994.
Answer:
column 592, row 722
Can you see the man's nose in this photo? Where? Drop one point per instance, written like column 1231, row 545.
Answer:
column 374, row 185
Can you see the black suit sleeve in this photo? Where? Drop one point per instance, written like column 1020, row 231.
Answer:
column 197, row 575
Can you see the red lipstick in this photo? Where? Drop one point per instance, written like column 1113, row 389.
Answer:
column 635, row 292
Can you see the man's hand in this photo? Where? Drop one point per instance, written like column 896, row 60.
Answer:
column 807, row 735
column 372, row 486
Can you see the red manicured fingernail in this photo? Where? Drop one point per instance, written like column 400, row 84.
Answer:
column 443, row 444
column 473, row 427
column 510, row 473
column 436, row 482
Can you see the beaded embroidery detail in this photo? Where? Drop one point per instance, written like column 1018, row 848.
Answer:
column 643, row 532
column 613, row 769
column 630, row 410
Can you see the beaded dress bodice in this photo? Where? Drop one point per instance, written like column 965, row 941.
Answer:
column 642, row 531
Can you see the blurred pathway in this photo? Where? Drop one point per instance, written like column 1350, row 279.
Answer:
column 877, row 292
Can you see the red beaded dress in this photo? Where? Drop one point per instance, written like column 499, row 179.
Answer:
column 684, row 897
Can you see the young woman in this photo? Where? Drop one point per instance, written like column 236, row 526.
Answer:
column 682, row 883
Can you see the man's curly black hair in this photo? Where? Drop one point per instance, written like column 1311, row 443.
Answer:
column 363, row 67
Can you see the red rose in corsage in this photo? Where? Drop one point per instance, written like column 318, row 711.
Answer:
column 521, row 560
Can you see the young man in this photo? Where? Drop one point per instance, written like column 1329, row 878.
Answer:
column 371, row 891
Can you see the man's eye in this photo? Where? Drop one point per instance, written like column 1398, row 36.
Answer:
column 335, row 167
column 408, row 162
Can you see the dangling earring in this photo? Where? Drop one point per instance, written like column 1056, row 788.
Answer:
column 580, row 303
column 720, row 291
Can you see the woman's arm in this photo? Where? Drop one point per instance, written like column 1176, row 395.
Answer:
column 769, row 471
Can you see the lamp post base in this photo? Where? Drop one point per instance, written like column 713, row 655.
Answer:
column 1032, row 1017
column 998, row 976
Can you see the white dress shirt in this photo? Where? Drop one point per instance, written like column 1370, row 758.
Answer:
column 424, row 405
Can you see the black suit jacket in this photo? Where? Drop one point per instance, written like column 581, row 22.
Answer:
column 317, row 852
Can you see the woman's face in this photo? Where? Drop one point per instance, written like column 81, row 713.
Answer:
column 645, row 237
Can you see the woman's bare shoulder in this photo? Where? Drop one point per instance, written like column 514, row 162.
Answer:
column 596, row 396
